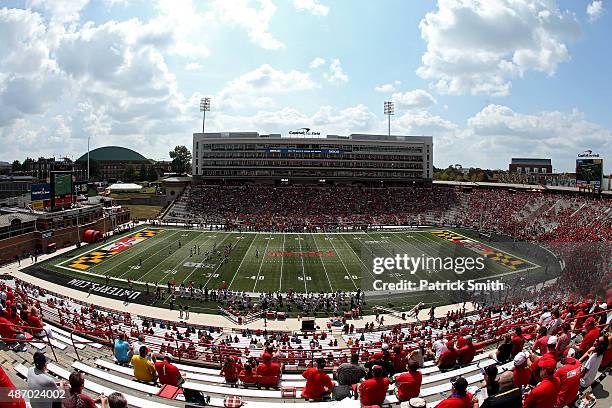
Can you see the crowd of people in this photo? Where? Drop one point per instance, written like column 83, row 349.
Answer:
column 308, row 208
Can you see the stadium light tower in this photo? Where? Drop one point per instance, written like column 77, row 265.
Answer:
column 389, row 110
column 204, row 107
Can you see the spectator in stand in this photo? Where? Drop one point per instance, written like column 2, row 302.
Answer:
column 541, row 344
column 144, row 370
column 6, row 386
column 518, row 341
column 438, row 347
column 522, row 373
column 34, row 320
column 399, row 358
column 448, row 358
column 554, row 324
column 544, row 395
column 418, row 354
column 545, row 318
column 167, row 372
column 318, row 383
column 408, row 384
column 135, row 346
column 374, row 390
column 9, row 331
column 350, row 373
column 268, row 373
column 569, row 378
column 122, row 349
column 564, row 339
column 39, row 380
column 508, row 396
column 504, row 350
column 76, row 398
column 116, row 400
column 230, row 371
column 465, row 355
column 247, row 376
column 593, row 362
column 460, row 397
column 490, row 378
column 592, row 333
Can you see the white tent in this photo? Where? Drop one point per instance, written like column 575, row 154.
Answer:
column 124, row 187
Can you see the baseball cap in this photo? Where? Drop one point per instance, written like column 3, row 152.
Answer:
column 547, row 363
column 569, row 353
column 414, row 403
column 603, row 306
column 468, row 338
column 552, row 340
column 520, row 359
column 266, row 357
column 385, row 346
column 589, row 321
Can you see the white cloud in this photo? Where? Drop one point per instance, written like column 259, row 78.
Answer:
column 478, row 46
column 497, row 133
column 415, row 99
column 595, row 10
column 60, row 11
column 385, row 88
column 262, row 82
column 312, row 6
column 253, row 16
column 193, row 66
column 336, row 74
column 317, row 62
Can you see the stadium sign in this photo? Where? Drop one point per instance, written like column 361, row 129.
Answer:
column 588, row 153
column 304, row 132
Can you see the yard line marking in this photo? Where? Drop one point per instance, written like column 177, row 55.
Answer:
column 345, row 268
column 161, row 263
column 322, row 263
column 303, row 271
column 261, row 265
column 139, row 253
column 220, row 263
column 242, row 261
column 280, row 279
column 208, row 237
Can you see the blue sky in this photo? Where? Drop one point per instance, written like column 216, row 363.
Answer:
column 489, row 80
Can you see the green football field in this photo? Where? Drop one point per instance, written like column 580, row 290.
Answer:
column 261, row 262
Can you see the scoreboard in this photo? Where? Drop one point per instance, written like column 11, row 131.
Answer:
column 589, row 174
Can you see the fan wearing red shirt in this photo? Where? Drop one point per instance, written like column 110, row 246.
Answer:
column 408, row 385
column 268, row 373
column 448, row 358
column 541, row 344
column 591, row 335
column 518, row 341
column 6, row 385
column 318, row 383
column 459, row 398
column 544, row 395
column 230, row 371
column 168, row 373
column 569, row 377
column 465, row 354
column 247, row 376
column 522, row 373
column 398, row 358
column 374, row 390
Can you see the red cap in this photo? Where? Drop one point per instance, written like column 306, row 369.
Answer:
column 266, row 357
column 589, row 321
column 547, row 362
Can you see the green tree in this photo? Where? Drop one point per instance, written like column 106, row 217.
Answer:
column 181, row 159
column 152, row 174
column 129, row 173
column 142, row 173
column 16, row 166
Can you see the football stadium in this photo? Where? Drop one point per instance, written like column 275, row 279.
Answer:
column 298, row 250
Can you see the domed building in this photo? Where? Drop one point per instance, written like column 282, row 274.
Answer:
column 113, row 161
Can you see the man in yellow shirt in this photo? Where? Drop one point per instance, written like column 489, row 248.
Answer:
column 144, row 370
